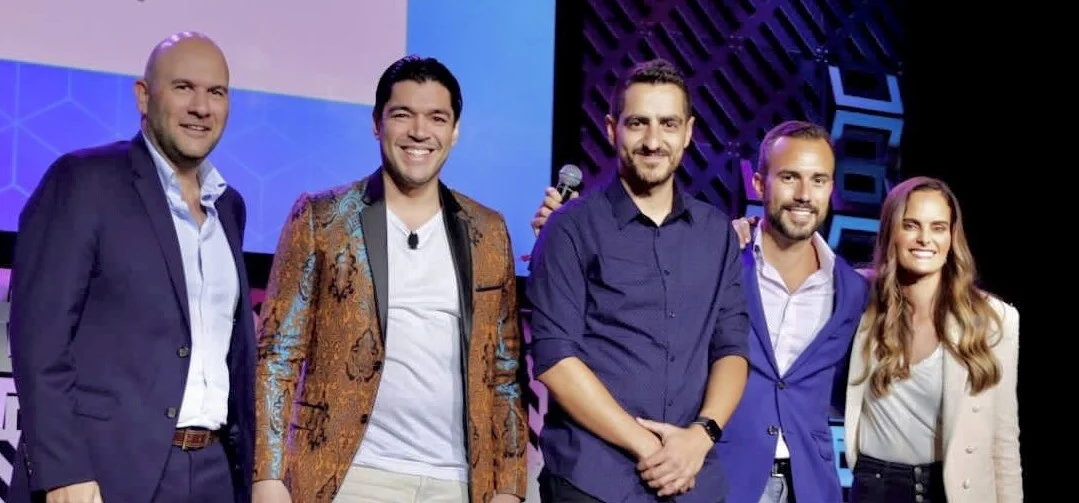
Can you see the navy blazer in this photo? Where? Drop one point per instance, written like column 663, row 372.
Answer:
column 797, row 402
column 99, row 315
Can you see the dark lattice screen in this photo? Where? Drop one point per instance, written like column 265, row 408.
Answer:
column 750, row 65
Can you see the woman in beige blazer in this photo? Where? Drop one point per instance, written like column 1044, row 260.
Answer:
column 931, row 409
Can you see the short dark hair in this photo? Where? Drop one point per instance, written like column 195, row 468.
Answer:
column 790, row 129
column 656, row 71
column 417, row 69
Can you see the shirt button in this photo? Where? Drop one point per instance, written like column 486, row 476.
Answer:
column 670, row 358
column 670, row 403
column 170, row 412
column 670, row 314
column 183, row 352
column 667, row 272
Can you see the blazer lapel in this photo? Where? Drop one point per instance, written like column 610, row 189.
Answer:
column 373, row 224
column 855, row 395
column 148, row 184
column 228, row 222
column 458, row 232
column 955, row 386
column 758, row 322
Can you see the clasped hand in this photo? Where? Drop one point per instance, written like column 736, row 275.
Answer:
column 673, row 468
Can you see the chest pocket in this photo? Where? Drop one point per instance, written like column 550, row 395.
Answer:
column 623, row 273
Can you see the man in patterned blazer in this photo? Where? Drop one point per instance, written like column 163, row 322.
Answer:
column 388, row 353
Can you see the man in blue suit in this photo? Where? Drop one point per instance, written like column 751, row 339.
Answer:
column 132, row 338
column 804, row 306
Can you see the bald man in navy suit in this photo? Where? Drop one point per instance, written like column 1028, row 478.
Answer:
column 132, row 338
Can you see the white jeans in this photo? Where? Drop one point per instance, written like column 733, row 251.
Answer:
column 368, row 485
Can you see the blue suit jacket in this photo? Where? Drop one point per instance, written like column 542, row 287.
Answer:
column 99, row 314
column 798, row 403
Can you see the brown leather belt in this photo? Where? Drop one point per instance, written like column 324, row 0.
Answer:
column 191, row 439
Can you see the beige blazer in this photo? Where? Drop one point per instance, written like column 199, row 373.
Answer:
column 981, row 433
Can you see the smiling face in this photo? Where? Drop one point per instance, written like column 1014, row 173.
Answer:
column 416, row 131
column 923, row 237
column 797, row 185
column 184, row 99
column 651, row 133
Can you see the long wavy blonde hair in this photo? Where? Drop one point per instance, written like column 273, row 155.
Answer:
column 889, row 314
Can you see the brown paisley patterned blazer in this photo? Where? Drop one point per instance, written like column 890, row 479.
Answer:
column 323, row 332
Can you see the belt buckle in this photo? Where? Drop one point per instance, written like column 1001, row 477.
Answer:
column 183, row 443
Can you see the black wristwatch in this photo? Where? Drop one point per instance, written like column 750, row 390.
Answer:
column 710, row 427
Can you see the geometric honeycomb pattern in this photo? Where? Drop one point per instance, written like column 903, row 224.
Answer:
column 749, row 66
column 269, row 155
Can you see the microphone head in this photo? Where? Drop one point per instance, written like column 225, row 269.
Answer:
column 570, row 176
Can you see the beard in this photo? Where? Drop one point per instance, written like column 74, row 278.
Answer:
column 792, row 231
column 644, row 177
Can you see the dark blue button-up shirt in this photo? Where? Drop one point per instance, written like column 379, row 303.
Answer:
column 647, row 309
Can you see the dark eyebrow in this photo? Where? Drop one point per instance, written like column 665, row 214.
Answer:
column 641, row 118
column 178, row 82
column 403, row 108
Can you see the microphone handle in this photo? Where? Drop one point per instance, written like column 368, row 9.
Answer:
column 565, row 191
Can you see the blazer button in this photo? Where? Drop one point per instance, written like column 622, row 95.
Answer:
column 364, row 418
column 170, row 412
column 976, row 408
column 183, row 352
column 971, row 449
column 377, row 365
column 773, row 430
column 782, row 384
column 966, row 484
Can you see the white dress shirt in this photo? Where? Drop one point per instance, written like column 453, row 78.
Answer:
column 212, row 293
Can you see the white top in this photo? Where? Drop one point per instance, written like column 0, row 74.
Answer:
column 795, row 318
column 417, row 425
column 213, row 290
column 903, row 426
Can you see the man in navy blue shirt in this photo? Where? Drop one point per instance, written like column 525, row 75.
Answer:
column 639, row 325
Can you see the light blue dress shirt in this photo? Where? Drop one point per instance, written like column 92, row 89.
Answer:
column 212, row 292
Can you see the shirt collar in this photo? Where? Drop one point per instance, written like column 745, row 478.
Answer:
column 825, row 255
column 211, row 183
column 625, row 210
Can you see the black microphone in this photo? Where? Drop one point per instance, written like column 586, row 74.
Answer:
column 413, row 240
column 569, row 177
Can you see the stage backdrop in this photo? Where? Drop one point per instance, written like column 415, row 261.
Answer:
column 304, row 78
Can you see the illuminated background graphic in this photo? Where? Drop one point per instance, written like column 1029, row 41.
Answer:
column 307, row 127
column 301, row 114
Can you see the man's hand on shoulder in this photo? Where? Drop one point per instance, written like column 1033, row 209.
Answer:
column 270, row 491
column 551, row 202
column 744, row 228
column 83, row 492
